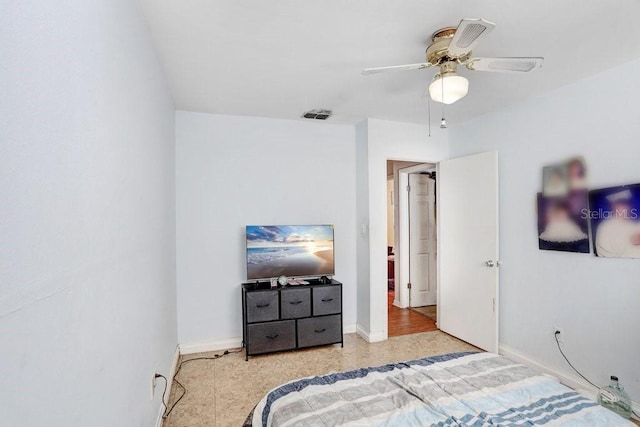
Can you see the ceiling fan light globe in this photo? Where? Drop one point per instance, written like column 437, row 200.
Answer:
column 455, row 88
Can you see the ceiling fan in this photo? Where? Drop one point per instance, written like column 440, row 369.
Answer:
column 450, row 47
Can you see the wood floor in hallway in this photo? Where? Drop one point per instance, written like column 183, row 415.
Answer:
column 404, row 321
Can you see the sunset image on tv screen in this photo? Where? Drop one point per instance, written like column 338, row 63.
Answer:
column 289, row 250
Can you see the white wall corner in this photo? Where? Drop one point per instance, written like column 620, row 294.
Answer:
column 172, row 372
column 569, row 380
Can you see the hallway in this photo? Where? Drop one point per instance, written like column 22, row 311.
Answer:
column 404, row 321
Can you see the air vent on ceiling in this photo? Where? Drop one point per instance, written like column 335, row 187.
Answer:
column 317, row 114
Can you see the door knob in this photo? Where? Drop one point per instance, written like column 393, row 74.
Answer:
column 492, row 263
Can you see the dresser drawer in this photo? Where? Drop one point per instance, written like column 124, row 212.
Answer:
column 319, row 331
column 295, row 303
column 272, row 336
column 262, row 306
column 327, row 300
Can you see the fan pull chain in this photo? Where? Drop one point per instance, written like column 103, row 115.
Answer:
column 443, row 122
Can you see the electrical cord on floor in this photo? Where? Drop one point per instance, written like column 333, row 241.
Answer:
column 570, row 364
column 184, row 392
column 167, row 409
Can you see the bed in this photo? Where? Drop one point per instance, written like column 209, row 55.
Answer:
column 458, row 389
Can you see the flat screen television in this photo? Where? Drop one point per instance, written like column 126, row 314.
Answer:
column 289, row 250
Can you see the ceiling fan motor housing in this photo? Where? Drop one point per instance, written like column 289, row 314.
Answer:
column 438, row 52
column 447, row 68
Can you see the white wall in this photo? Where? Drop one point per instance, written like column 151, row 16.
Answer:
column 232, row 171
column 596, row 301
column 87, row 219
column 362, row 225
column 385, row 140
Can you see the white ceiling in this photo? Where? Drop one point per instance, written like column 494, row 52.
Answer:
column 279, row 58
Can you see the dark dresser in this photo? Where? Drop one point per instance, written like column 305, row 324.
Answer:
column 290, row 317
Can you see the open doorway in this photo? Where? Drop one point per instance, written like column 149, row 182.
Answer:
column 467, row 258
column 411, row 247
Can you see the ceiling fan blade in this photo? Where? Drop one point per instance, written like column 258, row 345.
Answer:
column 468, row 34
column 397, row 68
column 506, row 65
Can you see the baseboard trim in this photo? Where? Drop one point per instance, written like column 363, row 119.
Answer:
column 172, row 372
column 205, row 346
column 362, row 332
column 371, row 336
column 569, row 380
column 349, row 329
column 378, row 336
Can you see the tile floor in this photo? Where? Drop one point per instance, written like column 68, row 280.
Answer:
column 222, row 392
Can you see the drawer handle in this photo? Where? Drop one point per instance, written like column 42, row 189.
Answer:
column 295, row 302
column 272, row 337
column 319, row 331
column 262, row 305
column 327, row 299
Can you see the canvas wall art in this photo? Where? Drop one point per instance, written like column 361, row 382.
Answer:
column 562, row 222
column 563, row 207
column 615, row 222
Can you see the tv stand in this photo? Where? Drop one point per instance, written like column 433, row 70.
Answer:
column 290, row 317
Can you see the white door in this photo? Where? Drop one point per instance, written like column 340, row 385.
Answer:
column 468, row 249
column 422, row 240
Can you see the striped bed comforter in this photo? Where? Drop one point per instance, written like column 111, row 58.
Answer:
column 459, row 389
